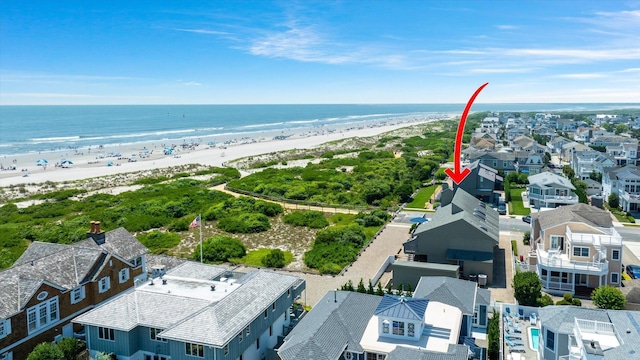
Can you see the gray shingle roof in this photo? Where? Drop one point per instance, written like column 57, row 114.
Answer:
column 196, row 270
column 330, row 327
column 455, row 292
column 119, row 242
column 221, row 321
column 581, row 213
column 560, row 319
column 455, row 352
column 135, row 308
column 548, row 179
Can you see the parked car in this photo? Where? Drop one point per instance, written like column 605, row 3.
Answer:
column 527, row 219
column 633, row 271
column 502, row 208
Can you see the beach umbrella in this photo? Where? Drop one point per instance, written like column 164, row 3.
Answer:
column 109, row 163
column 41, row 162
column 419, row 219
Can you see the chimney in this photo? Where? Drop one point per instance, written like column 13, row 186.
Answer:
column 95, row 233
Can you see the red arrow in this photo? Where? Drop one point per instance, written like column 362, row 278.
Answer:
column 457, row 176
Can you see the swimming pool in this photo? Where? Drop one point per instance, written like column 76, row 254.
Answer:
column 534, row 337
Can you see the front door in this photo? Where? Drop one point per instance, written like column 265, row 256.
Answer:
column 67, row 330
column 581, row 279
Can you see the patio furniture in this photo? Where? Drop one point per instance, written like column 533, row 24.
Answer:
column 521, row 314
column 533, row 319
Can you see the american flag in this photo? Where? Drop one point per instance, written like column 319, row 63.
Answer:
column 195, row 222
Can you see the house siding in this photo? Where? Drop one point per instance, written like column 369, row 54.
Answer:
column 120, row 346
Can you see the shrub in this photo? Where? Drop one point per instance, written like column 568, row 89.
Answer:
column 545, row 300
column 220, row 249
column 493, row 336
column 567, row 299
column 526, row 238
column 274, row 259
column 613, row 201
column 608, row 297
column 514, row 247
column 46, row 351
column 180, row 225
column 245, row 223
column 158, row 241
column 351, row 235
column 526, row 287
column 70, row 347
column 312, row 219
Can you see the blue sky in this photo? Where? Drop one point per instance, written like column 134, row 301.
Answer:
column 287, row 52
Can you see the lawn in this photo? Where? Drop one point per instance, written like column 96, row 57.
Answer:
column 422, row 197
column 515, row 206
column 254, row 257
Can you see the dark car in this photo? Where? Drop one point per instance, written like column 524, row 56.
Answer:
column 633, row 271
column 502, row 208
column 527, row 219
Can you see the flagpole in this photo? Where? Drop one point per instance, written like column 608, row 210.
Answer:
column 200, row 217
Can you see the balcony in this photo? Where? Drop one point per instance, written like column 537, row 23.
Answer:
column 557, row 261
column 556, row 199
column 610, row 237
column 629, row 197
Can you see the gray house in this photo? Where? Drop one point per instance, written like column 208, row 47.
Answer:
column 195, row 311
column 481, row 182
column 463, row 232
column 472, row 301
column 354, row 326
column 569, row 332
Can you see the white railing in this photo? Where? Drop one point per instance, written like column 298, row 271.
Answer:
column 562, row 262
column 563, row 198
column 596, row 239
column 556, row 285
column 595, row 327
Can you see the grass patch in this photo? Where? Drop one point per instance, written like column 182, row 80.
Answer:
column 342, row 219
column 516, row 206
column 422, row 197
column 254, row 257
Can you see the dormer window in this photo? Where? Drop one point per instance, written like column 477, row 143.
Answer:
column 398, row 328
column 385, row 327
column 411, row 329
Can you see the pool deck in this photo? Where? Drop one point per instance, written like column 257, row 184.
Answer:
column 528, row 354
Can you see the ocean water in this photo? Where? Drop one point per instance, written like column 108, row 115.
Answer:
column 28, row 129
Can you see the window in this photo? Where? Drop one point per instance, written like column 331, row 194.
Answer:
column 265, row 314
column 155, row 357
column 153, row 333
column 288, row 292
column 273, row 307
column 398, row 328
column 123, row 275
column 556, row 242
column 43, row 314
column 258, row 343
column 615, row 278
column 7, row 356
column 240, row 337
column 226, row 349
column 137, row 262
column 270, row 330
column 5, row 328
column 385, row 326
column 104, row 284
column 550, row 340
column 77, row 295
column 106, row 334
column 194, row 349
column 410, row 329
column 374, row 356
column 580, row 251
column 247, row 331
column 615, row 254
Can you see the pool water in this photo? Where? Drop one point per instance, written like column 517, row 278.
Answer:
column 534, row 337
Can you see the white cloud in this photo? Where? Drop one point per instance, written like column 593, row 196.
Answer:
column 192, row 83
column 506, row 27
column 580, row 76
column 204, row 31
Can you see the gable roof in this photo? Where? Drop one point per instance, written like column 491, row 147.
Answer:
column 461, row 294
column 119, row 242
column 337, row 322
column 548, row 179
column 580, row 213
column 401, row 307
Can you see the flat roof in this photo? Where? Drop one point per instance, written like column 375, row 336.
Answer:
column 441, row 328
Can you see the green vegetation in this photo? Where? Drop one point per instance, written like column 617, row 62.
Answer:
column 516, row 206
column 493, row 336
column 256, row 257
column 568, row 299
column 312, row 219
column 65, row 349
column 608, row 297
column 159, row 242
column 527, row 288
column 220, row 249
column 274, row 259
column 422, row 197
column 526, row 238
column 514, row 247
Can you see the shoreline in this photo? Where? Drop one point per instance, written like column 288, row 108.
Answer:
column 93, row 163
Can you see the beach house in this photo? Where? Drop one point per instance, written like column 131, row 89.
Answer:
column 624, row 182
column 50, row 284
column 354, row 326
column 196, row 311
column 549, row 190
column 576, row 249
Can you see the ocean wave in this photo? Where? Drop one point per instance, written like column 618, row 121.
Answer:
column 54, row 139
column 303, row 121
column 261, row 125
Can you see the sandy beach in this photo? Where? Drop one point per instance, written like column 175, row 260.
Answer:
column 93, row 163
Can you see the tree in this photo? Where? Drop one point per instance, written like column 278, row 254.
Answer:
column 220, row 249
column 70, row 348
column 361, row 288
column 370, row 289
column 526, row 287
column 613, row 201
column 493, row 335
column 595, row 175
column 621, row 128
column 526, row 238
column 568, row 299
column 608, row 297
column 46, row 351
column 274, row 259
column 379, row 290
column 568, row 171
